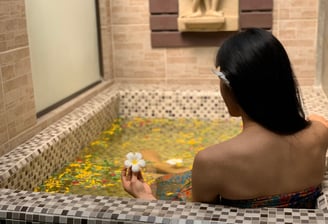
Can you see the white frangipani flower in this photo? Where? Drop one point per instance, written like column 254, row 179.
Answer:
column 135, row 161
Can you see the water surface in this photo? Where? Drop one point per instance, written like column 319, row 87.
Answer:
column 96, row 170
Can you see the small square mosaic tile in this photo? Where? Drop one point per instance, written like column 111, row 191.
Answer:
column 26, row 166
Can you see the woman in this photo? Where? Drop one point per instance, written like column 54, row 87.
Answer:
column 279, row 157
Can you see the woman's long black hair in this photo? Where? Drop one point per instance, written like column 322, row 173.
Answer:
column 262, row 80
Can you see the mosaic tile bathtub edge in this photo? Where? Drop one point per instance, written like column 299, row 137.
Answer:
column 59, row 208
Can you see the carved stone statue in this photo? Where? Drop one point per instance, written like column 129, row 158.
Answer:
column 210, row 8
column 208, row 15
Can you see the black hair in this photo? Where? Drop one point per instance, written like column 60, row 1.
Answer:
column 262, row 80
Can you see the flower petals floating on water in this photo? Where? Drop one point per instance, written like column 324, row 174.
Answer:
column 135, row 161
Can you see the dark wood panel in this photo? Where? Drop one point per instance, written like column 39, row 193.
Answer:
column 163, row 22
column 177, row 39
column 163, row 6
column 255, row 5
column 255, row 20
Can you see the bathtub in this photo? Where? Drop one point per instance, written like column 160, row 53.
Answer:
column 25, row 167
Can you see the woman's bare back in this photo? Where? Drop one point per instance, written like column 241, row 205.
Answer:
column 260, row 163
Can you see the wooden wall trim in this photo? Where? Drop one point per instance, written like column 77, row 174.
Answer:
column 163, row 6
column 253, row 5
column 163, row 22
column 178, row 39
column 255, row 20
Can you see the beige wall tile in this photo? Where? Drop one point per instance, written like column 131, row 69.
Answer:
column 107, row 53
column 3, row 128
column 133, row 56
column 17, row 109
column 8, row 72
column 106, row 39
column 298, row 9
column 13, row 30
column 104, row 13
column 295, row 24
column 2, row 101
column 198, row 83
column 190, row 62
column 129, row 12
column 299, row 38
column 323, row 50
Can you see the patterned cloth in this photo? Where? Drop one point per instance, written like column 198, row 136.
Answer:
column 175, row 187
column 178, row 187
column 302, row 199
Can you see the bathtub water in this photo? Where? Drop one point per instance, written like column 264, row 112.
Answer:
column 168, row 145
column 28, row 165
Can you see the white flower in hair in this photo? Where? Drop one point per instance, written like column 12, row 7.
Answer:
column 135, row 161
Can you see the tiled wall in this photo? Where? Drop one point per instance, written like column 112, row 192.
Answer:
column 17, row 110
column 323, row 41
column 129, row 58
column 106, row 39
column 18, row 120
column 154, row 102
column 295, row 24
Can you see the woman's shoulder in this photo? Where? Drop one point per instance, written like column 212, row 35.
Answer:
column 217, row 154
column 319, row 128
column 319, row 123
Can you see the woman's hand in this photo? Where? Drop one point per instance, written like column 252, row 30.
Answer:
column 133, row 183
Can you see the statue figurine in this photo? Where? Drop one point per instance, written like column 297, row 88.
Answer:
column 210, row 8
